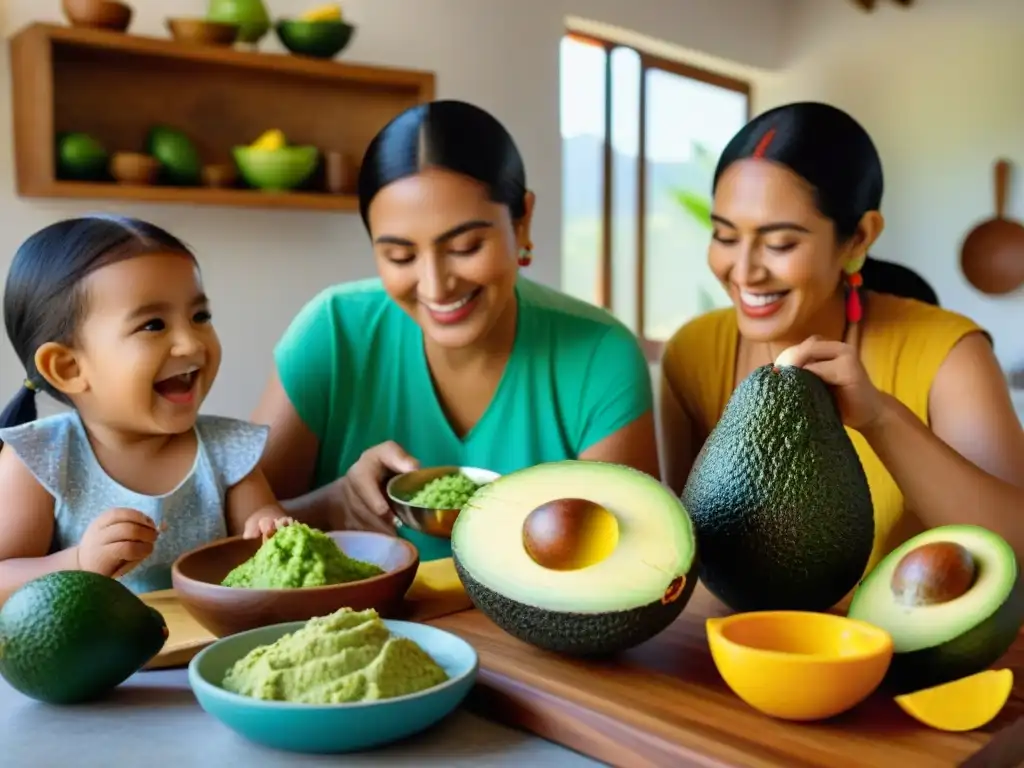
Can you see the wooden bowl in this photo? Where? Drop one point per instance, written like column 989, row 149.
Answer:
column 134, row 168
column 219, row 176
column 223, row 611
column 203, row 32
column 98, row 14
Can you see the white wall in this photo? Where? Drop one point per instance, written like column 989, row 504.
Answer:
column 262, row 266
column 938, row 86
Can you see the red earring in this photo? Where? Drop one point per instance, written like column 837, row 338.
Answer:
column 525, row 257
column 854, row 310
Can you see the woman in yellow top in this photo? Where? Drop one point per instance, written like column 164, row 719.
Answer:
column 796, row 207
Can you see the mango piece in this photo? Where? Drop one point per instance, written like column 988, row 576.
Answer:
column 963, row 704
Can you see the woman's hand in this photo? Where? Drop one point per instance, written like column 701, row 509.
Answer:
column 360, row 491
column 838, row 365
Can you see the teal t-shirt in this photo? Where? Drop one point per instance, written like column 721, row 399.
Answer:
column 353, row 365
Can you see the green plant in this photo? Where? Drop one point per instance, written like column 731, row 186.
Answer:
column 698, row 206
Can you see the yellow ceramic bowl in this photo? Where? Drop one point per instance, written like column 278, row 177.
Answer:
column 799, row 665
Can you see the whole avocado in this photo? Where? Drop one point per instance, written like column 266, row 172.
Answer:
column 180, row 163
column 80, row 157
column 779, row 498
column 73, row 636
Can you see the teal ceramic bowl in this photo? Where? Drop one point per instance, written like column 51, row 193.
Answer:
column 332, row 728
column 276, row 170
column 319, row 39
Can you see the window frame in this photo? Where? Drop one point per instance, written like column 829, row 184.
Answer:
column 652, row 348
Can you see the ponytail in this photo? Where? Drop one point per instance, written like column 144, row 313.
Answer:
column 21, row 409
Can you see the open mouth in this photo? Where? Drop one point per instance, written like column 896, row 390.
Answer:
column 180, row 388
column 454, row 311
column 761, row 299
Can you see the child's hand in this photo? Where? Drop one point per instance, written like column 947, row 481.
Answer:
column 265, row 522
column 116, row 541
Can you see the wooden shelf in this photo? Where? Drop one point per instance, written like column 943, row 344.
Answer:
column 234, row 198
column 116, row 86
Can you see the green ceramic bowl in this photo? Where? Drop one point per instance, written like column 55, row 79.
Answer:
column 320, row 39
column 276, row 169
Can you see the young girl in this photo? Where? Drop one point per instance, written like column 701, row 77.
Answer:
column 108, row 316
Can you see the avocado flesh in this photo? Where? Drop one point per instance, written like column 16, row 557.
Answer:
column 73, row 636
column 603, row 608
column 779, row 498
column 937, row 644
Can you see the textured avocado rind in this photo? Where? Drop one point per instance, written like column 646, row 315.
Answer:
column 779, row 498
column 577, row 634
column 72, row 636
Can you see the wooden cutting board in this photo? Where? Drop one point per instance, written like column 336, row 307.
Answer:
column 436, row 592
column 664, row 704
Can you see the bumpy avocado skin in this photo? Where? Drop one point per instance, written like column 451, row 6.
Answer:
column 577, row 634
column 779, row 498
column 974, row 651
column 73, row 636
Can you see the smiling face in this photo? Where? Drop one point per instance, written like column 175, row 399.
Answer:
column 447, row 254
column 775, row 253
column 147, row 354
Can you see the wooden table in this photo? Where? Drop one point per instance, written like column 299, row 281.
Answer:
column 664, row 705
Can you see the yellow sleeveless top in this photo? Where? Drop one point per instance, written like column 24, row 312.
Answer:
column 902, row 344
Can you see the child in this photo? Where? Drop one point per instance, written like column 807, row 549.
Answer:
column 108, row 315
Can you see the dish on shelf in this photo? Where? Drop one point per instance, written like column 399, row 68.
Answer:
column 203, row 32
column 134, row 168
column 99, row 14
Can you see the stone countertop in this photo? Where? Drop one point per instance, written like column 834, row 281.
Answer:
column 154, row 720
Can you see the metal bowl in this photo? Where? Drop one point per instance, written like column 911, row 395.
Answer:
column 433, row 522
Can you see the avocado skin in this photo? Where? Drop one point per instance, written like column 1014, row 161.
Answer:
column 180, row 164
column 974, row 651
column 779, row 499
column 576, row 634
column 72, row 636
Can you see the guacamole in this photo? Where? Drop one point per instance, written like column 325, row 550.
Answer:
column 299, row 556
column 448, row 492
column 345, row 657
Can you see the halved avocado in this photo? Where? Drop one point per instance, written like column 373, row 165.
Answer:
column 577, row 557
column 953, row 600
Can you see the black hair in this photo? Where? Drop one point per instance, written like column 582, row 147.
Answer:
column 897, row 280
column 43, row 297
column 824, row 146
column 448, row 134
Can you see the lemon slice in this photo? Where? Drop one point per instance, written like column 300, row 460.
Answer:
column 963, row 704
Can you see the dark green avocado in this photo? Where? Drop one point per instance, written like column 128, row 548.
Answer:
column 73, row 636
column 952, row 598
column 180, row 163
column 779, row 498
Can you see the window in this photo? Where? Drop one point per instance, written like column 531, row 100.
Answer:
column 635, row 233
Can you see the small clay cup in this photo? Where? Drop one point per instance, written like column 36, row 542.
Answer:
column 219, row 175
column 134, row 168
column 223, row 611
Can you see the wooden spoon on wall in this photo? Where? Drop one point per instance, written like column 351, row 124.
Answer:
column 992, row 254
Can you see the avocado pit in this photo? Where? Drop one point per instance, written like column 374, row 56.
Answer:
column 570, row 534
column 933, row 573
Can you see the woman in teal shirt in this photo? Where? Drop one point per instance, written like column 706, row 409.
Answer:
column 450, row 356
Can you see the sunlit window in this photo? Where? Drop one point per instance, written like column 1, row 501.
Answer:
column 635, row 235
